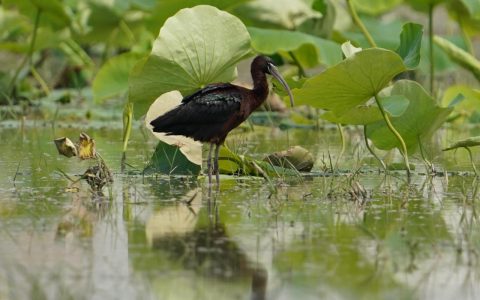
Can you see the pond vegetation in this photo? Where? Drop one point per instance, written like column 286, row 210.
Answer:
column 361, row 191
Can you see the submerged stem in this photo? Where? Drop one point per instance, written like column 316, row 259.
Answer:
column 395, row 132
column 356, row 19
column 371, row 150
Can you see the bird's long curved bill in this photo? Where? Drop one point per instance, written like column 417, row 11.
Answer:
column 276, row 74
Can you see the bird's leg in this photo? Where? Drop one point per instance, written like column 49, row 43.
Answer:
column 209, row 165
column 215, row 165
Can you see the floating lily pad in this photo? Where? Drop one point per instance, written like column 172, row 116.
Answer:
column 422, row 117
column 195, row 47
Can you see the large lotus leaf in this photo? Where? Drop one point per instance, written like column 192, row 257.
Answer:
column 366, row 114
column 110, row 21
column 112, row 79
column 410, row 44
column 384, row 32
column 270, row 41
column 189, row 148
column 460, row 56
column 195, row 47
column 375, row 7
column 285, row 14
column 320, row 26
column 468, row 107
column 422, row 117
column 352, row 82
column 467, row 14
column 52, row 12
column 473, row 7
column 423, row 5
column 164, row 9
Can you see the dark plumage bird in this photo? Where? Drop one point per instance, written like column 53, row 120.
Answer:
column 209, row 114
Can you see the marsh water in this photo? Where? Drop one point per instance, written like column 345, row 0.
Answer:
column 360, row 234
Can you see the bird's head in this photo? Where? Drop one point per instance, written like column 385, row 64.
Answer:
column 267, row 66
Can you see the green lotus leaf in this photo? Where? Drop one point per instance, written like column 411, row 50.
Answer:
column 164, row 9
column 365, row 114
column 375, row 7
column 284, row 14
column 410, row 44
column 352, row 82
column 52, row 12
column 468, row 107
column 423, row 5
column 270, row 41
column 195, row 47
column 422, row 117
column 112, row 78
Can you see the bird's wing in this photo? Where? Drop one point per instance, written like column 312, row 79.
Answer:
column 211, row 88
column 214, row 104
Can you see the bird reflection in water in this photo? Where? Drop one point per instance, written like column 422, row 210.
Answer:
column 203, row 247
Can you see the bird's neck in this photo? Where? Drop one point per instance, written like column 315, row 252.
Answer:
column 260, row 86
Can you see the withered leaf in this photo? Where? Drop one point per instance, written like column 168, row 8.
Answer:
column 65, row 147
column 86, row 146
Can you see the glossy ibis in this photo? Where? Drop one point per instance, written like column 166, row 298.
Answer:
column 209, row 114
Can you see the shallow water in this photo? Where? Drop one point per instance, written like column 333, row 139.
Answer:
column 305, row 238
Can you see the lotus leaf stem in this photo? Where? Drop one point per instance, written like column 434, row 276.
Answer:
column 28, row 57
column 371, row 150
column 396, row 133
column 471, row 160
column 430, row 49
column 356, row 19
column 342, row 138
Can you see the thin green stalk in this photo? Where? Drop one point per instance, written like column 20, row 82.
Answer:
column 301, row 70
column 371, row 150
column 471, row 160
column 40, row 80
column 424, row 157
column 395, row 132
column 430, row 40
column 127, row 129
column 28, row 57
column 342, row 138
column 359, row 23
